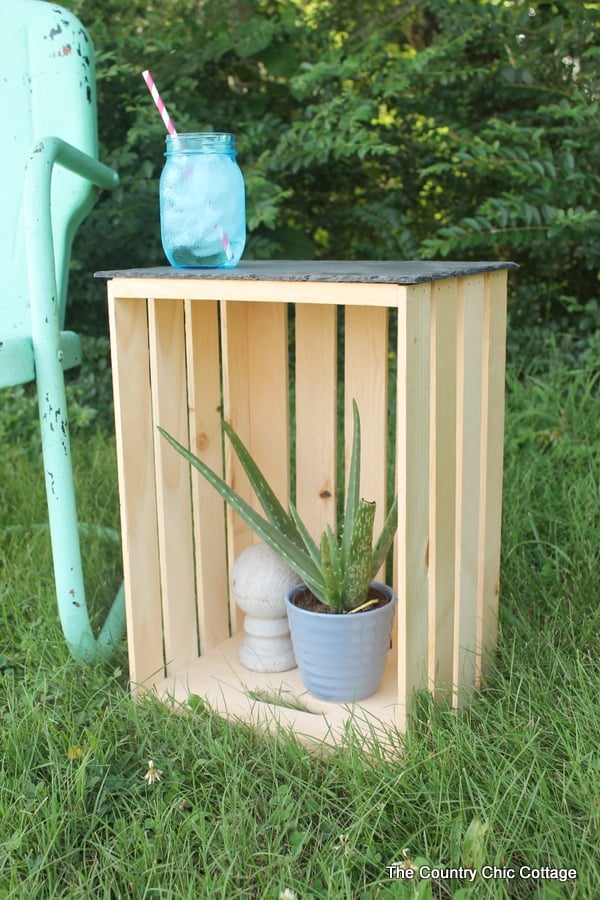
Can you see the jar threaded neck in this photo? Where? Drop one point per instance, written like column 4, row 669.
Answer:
column 221, row 142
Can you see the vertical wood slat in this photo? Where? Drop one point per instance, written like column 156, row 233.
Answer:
column 236, row 410
column 365, row 380
column 470, row 341
column 204, row 402
column 442, row 496
column 316, row 413
column 412, row 473
column 135, row 456
column 169, row 398
column 255, row 397
column 492, row 451
column 268, row 382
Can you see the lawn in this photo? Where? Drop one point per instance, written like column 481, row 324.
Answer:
column 511, row 783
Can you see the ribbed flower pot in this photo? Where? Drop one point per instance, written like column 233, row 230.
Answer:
column 341, row 656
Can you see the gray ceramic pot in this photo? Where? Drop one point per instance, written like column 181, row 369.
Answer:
column 341, row 657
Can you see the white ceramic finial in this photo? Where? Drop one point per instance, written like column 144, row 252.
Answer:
column 260, row 579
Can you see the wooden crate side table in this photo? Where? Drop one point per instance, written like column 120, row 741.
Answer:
column 189, row 345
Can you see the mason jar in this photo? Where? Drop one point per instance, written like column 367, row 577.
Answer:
column 202, row 201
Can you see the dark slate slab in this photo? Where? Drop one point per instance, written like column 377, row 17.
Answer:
column 358, row 271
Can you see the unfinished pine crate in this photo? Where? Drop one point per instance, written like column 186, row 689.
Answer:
column 423, row 354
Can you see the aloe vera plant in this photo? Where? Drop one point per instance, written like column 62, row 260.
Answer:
column 340, row 569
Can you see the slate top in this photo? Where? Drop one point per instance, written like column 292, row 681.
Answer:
column 357, row 271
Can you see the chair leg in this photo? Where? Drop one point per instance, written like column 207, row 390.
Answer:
column 56, row 448
column 64, row 531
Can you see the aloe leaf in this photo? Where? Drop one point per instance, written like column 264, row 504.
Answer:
column 357, row 574
column 329, row 566
column 297, row 558
column 267, row 498
column 385, row 540
column 353, row 495
column 336, row 558
column 307, row 540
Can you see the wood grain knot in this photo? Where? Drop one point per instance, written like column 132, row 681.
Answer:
column 202, row 441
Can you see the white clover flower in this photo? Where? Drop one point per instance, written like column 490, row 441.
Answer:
column 153, row 774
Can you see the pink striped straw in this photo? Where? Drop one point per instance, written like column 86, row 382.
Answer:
column 158, row 100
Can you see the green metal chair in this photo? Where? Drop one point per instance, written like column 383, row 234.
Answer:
column 51, row 172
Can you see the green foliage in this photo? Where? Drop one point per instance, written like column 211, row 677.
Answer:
column 382, row 130
column 340, row 571
column 89, row 399
column 536, row 204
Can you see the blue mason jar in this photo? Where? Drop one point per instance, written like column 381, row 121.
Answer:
column 202, row 201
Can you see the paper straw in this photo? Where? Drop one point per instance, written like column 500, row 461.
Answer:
column 158, row 100
column 227, row 246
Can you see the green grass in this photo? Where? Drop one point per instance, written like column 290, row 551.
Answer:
column 513, row 780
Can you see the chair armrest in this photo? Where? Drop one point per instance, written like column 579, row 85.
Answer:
column 47, row 153
column 53, row 150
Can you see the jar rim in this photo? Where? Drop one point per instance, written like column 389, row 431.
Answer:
column 183, row 135
column 201, row 142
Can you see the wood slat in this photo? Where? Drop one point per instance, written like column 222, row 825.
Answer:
column 204, row 402
column 412, row 468
column 169, row 400
column 250, row 291
column 236, row 410
column 316, row 413
column 256, row 403
column 442, row 497
column 494, row 368
column 470, row 341
column 268, row 393
column 135, row 458
column 365, row 380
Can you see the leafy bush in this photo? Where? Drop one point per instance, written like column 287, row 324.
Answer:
column 381, row 130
